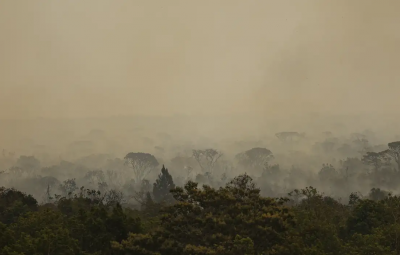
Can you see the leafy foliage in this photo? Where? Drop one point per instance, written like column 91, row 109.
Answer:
column 141, row 164
column 254, row 158
column 77, row 225
column 209, row 221
column 162, row 187
column 207, row 159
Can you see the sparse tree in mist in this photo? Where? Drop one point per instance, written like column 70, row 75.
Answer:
column 28, row 163
column 47, row 197
column 357, row 136
column 375, row 159
column 163, row 186
column 254, row 158
column 102, row 187
column 114, row 178
column 224, row 177
column 206, row 178
column 141, row 163
column 394, row 152
column 180, row 162
column 143, row 193
column 346, row 150
column 361, row 142
column 188, row 171
column 362, row 145
column 327, row 172
column 352, row 163
column 49, row 182
column 15, row 171
column 271, row 170
column 68, row 187
column 94, row 177
column 184, row 163
column 207, row 159
column 113, row 197
column 378, row 194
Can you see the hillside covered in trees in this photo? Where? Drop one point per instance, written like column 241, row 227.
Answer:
column 135, row 205
column 199, row 127
column 293, row 193
column 233, row 219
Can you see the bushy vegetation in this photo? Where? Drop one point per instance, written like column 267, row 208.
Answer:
column 205, row 203
column 233, row 219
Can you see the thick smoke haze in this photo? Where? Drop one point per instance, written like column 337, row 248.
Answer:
column 105, row 58
column 237, row 69
column 84, row 83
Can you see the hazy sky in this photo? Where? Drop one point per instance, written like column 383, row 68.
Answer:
column 112, row 57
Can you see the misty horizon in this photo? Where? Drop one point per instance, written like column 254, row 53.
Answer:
column 199, row 127
column 105, row 77
column 107, row 58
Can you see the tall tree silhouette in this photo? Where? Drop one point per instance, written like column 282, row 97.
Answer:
column 162, row 187
column 141, row 164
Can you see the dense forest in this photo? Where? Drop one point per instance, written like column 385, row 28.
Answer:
column 177, row 127
column 206, row 202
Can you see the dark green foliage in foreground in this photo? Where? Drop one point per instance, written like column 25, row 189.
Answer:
column 162, row 187
column 234, row 219
column 78, row 225
column 14, row 203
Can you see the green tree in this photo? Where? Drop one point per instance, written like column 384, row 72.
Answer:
column 209, row 220
column 162, row 187
column 366, row 216
column 320, row 220
column 42, row 232
column 14, row 203
column 138, row 244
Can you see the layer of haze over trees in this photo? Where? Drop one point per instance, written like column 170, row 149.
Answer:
column 199, row 127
